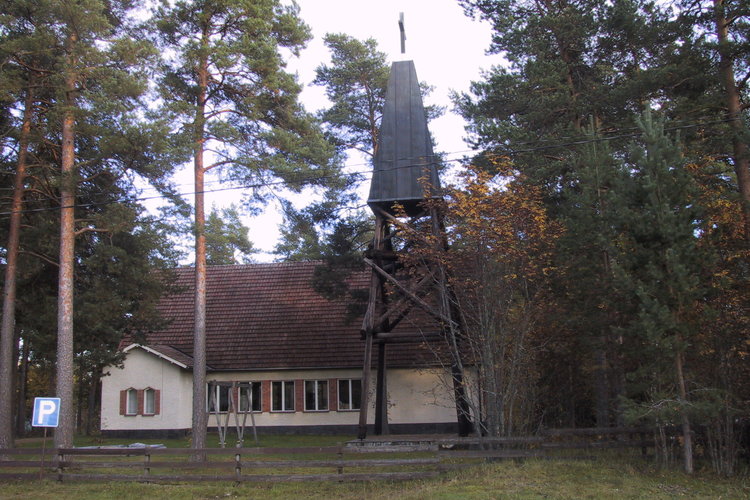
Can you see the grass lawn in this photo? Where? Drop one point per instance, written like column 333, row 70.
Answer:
column 530, row 480
column 603, row 478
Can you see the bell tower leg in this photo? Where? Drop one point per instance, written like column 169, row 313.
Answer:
column 368, row 327
column 381, row 392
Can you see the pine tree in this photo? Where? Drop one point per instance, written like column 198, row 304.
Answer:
column 355, row 83
column 579, row 72
column 97, row 97
column 87, row 131
column 227, row 238
column 586, row 252
column 21, row 53
column 574, row 64
column 714, row 54
column 235, row 110
column 660, row 266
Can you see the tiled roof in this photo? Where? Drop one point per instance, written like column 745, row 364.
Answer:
column 268, row 316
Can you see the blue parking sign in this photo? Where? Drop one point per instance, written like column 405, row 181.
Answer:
column 46, row 412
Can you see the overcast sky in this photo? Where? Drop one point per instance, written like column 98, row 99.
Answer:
column 448, row 50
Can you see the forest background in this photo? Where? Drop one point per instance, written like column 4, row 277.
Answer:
column 604, row 221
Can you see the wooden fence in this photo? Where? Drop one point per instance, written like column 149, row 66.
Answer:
column 358, row 461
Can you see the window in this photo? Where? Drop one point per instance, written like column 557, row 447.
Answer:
column 139, row 402
column 149, row 401
column 316, row 395
column 282, row 395
column 132, row 402
column 217, row 396
column 249, row 394
column 350, row 394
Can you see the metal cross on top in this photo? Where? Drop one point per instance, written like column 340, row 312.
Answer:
column 403, row 32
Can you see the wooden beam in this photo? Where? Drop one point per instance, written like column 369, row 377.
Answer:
column 421, row 303
column 411, row 340
column 381, row 392
column 407, row 337
column 397, row 222
column 401, row 307
column 395, row 335
column 367, row 327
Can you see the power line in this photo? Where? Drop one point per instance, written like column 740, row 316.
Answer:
column 316, row 179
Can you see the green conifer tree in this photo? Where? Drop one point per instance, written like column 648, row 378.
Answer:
column 235, row 110
column 90, row 140
column 659, row 266
column 227, row 239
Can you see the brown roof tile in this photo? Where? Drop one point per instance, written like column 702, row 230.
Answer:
column 268, row 316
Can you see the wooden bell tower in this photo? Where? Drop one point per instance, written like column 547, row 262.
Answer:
column 405, row 175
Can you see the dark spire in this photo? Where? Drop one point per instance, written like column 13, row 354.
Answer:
column 404, row 153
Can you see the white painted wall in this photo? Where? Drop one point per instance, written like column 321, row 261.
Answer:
column 141, row 370
column 420, row 396
column 415, row 396
column 298, row 417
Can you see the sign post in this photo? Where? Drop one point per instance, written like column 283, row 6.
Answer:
column 46, row 414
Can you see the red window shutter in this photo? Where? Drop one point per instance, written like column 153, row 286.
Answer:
column 123, row 401
column 299, row 395
column 266, row 395
column 140, row 401
column 157, row 401
column 333, row 398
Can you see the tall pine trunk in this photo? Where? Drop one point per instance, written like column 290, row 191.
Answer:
column 64, row 362
column 200, row 420
column 7, row 328
column 199, row 333
column 687, row 437
column 734, row 112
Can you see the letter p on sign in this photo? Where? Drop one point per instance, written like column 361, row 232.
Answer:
column 46, row 412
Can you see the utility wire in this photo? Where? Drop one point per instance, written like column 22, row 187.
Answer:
column 365, row 173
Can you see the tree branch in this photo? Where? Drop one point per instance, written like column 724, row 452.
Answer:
column 91, row 230
column 217, row 164
column 42, row 257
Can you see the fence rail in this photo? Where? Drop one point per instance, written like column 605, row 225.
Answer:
column 331, row 463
